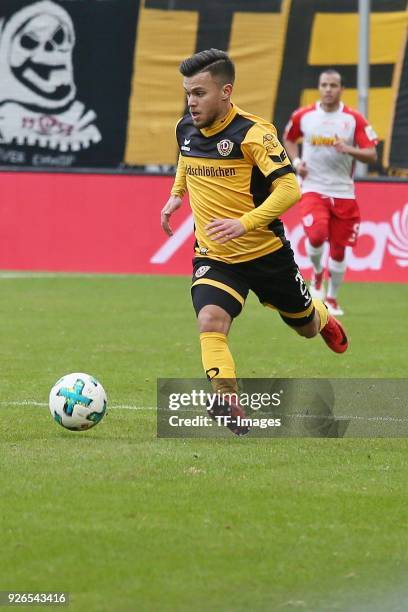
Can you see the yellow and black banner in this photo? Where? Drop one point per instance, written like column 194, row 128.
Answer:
column 85, row 83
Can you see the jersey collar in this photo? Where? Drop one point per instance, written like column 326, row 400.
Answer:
column 338, row 110
column 221, row 124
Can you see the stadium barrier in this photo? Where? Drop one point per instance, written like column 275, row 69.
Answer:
column 111, row 224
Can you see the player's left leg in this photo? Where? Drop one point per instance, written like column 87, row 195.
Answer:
column 280, row 285
column 320, row 321
column 337, row 266
column 343, row 231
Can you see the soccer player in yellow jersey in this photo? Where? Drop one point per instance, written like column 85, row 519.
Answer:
column 239, row 181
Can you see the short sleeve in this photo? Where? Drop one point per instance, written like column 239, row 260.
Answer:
column 364, row 136
column 179, row 186
column 262, row 148
column 292, row 130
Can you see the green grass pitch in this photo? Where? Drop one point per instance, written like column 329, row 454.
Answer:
column 126, row 522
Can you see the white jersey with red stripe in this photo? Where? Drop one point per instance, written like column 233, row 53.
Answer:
column 329, row 172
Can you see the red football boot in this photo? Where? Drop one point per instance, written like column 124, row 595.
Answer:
column 334, row 335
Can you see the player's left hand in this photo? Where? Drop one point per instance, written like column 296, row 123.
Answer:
column 223, row 230
column 340, row 145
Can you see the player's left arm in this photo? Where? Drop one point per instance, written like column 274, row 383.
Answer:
column 286, row 192
column 264, row 150
column 364, row 137
column 367, row 155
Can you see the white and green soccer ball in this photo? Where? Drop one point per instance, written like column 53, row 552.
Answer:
column 78, row 401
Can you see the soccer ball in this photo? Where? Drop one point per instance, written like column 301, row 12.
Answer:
column 78, row 401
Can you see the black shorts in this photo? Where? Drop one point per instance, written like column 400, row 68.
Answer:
column 274, row 278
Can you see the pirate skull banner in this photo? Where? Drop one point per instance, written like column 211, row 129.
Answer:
column 65, row 73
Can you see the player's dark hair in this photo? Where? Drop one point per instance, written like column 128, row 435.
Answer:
column 214, row 61
column 333, row 71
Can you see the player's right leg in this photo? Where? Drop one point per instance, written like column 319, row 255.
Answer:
column 315, row 211
column 218, row 296
column 279, row 284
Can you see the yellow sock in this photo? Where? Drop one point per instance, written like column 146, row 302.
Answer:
column 218, row 362
column 323, row 313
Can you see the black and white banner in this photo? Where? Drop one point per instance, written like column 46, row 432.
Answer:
column 65, row 74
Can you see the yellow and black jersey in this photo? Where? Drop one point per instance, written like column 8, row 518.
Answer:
column 237, row 168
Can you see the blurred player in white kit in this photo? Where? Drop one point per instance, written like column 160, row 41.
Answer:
column 334, row 138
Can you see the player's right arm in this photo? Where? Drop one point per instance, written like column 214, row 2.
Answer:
column 290, row 139
column 176, row 198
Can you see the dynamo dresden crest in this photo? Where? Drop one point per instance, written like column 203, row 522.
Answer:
column 225, row 147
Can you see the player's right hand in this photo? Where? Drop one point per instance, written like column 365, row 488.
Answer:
column 172, row 204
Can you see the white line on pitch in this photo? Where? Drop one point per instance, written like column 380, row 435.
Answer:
column 44, row 404
column 296, row 416
column 31, row 275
